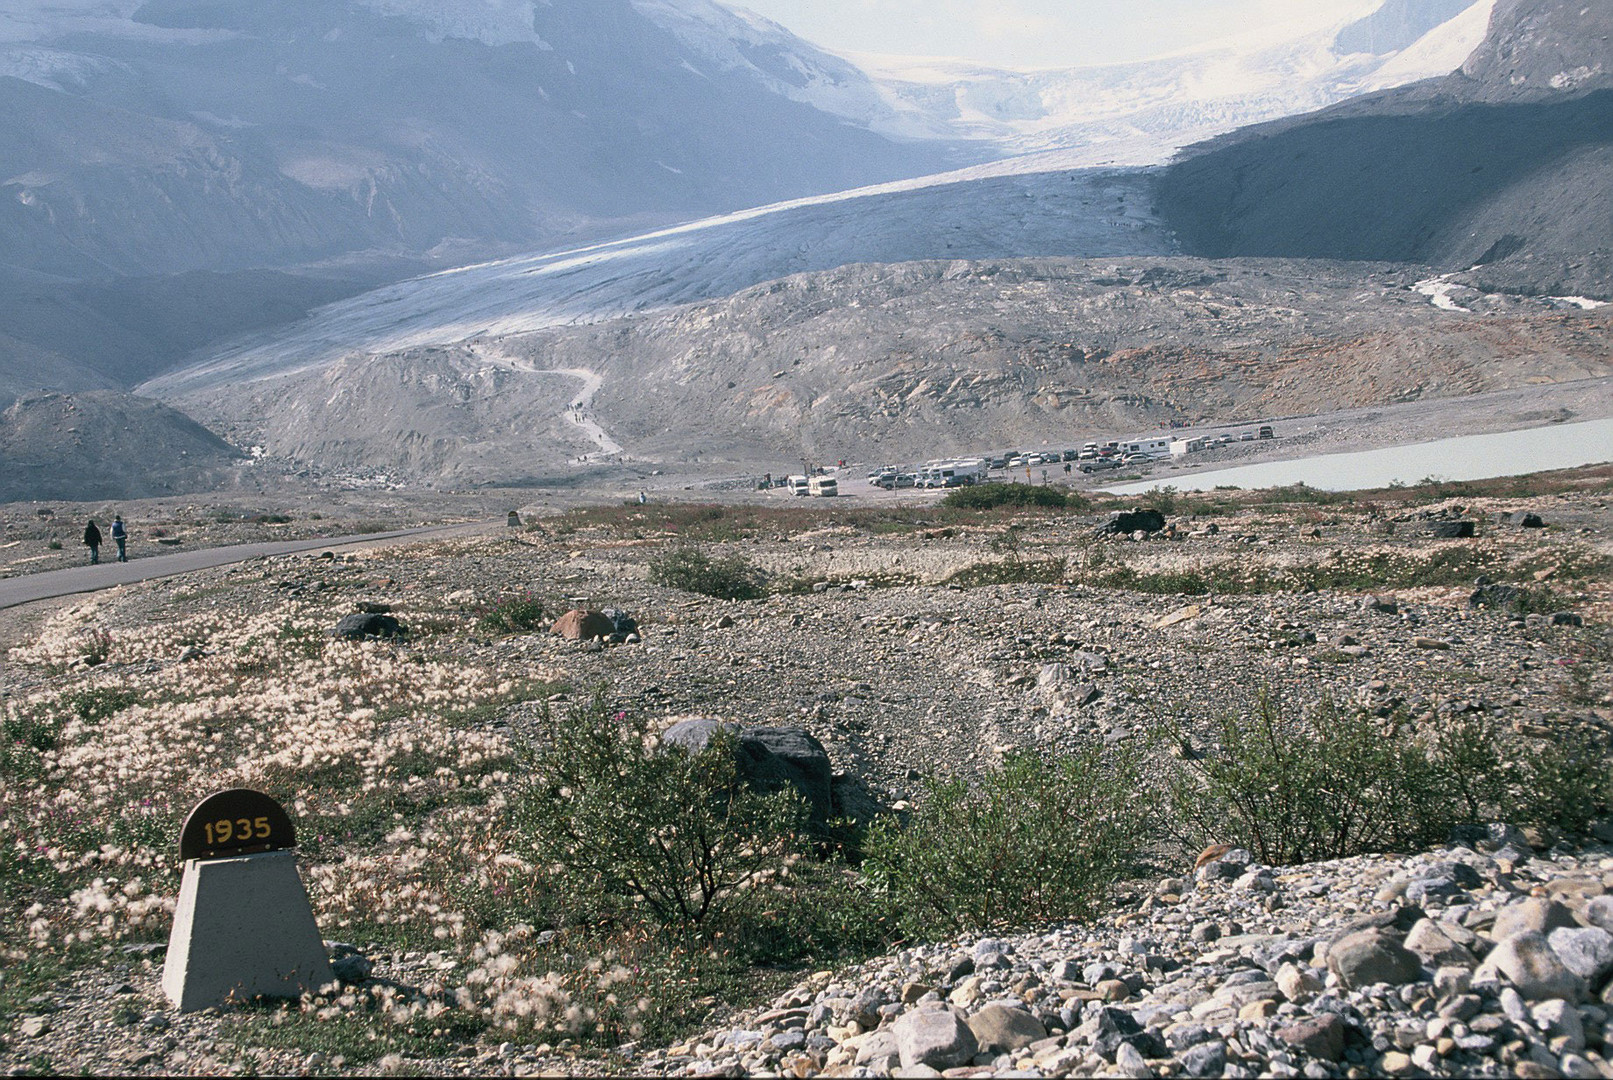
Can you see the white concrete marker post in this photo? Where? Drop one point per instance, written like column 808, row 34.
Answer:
column 243, row 927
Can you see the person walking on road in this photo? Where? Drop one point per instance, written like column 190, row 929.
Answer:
column 92, row 540
column 120, row 536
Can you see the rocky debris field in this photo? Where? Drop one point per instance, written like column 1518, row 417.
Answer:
column 916, row 360
column 1486, row 958
column 913, row 645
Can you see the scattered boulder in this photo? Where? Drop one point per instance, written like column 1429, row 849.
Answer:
column 770, row 759
column 1527, row 961
column 1536, row 913
column 366, row 624
column 937, row 1038
column 1125, row 522
column 1450, row 530
column 1435, row 947
column 1366, row 957
column 1587, row 951
column 999, row 1029
column 579, row 625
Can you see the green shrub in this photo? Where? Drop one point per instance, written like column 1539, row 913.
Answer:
column 1012, row 571
column 1566, row 782
column 636, row 829
column 1337, row 784
column 988, row 496
column 1040, row 839
column 732, row 577
column 1324, row 787
column 512, row 615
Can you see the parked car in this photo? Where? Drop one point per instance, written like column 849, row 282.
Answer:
column 1266, row 432
column 1100, row 464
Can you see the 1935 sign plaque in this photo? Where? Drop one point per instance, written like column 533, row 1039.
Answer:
column 237, row 821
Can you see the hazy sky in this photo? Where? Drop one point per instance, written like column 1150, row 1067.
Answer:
column 1039, row 33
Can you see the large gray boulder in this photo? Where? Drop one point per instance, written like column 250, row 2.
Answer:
column 1587, row 951
column 365, row 624
column 1536, row 913
column 935, row 1037
column 1372, row 956
column 1000, row 1028
column 770, row 759
column 1527, row 961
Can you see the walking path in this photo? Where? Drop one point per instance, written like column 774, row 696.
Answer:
column 81, row 579
column 576, row 411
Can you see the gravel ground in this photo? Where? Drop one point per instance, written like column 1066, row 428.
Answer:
column 901, row 671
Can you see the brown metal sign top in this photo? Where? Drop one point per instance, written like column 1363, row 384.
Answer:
column 237, row 821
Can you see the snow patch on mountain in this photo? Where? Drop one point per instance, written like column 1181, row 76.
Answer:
column 491, row 22
column 733, row 39
column 1438, row 52
column 1146, row 109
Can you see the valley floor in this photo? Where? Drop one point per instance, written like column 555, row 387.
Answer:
column 911, row 641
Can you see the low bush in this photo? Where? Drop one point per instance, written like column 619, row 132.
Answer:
column 1011, row 571
column 636, row 829
column 989, row 496
column 512, row 615
column 1039, row 839
column 1327, row 786
column 1336, row 784
column 732, row 577
column 1566, row 782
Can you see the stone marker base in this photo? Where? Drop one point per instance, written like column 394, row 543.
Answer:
column 243, row 928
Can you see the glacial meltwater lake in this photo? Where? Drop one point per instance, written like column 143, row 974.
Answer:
column 1468, row 457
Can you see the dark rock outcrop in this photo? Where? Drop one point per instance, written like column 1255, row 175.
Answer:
column 770, row 759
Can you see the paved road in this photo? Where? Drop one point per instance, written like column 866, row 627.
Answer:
column 104, row 575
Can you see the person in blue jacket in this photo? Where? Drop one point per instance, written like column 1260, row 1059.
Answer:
column 121, row 536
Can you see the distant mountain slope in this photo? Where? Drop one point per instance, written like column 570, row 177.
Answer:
column 210, row 134
column 1504, row 162
column 104, row 445
column 909, row 361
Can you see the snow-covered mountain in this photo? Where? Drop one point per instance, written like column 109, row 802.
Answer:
column 1139, row 113
column 1048, row 203
column 353, row 142
column 1501, row 166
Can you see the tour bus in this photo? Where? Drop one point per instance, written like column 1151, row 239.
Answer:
column 798, row 485
column 946, row 474
column 823, row 486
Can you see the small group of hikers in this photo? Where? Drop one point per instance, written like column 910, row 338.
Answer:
column 120, row 536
